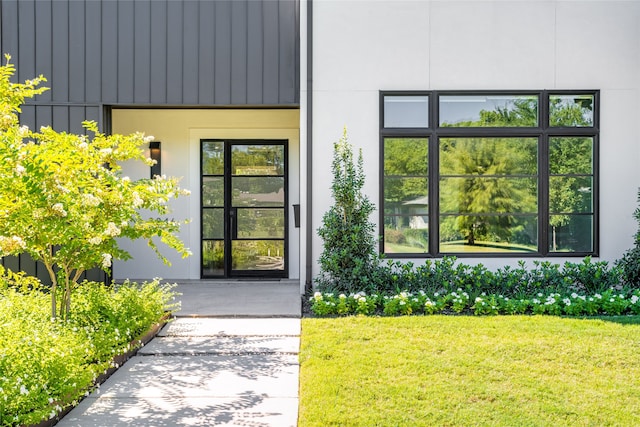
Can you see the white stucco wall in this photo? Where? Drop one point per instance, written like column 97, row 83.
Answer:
column 361, row 47
column 180, row 132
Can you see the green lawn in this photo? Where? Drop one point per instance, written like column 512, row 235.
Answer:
column 470, row 371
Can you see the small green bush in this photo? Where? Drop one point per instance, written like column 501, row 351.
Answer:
column 47, row 364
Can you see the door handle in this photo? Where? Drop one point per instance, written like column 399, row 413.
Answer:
column 233, row 222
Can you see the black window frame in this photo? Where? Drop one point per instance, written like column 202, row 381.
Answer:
column 544, row 132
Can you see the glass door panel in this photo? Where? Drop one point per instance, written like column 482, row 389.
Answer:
column 244, row 213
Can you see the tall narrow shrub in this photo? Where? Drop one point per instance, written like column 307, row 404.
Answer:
column 630, row 261
column 349, row 255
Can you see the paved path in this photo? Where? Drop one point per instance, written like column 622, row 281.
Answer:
column 204, row 371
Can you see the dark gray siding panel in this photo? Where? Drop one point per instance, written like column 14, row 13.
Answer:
column 255, row 53
column 206, row 57
column 142, row 52
column 239, row 34
column 60, row 50
column 44, row 44
column 93, row 52
column 223, row 55
column 77, row 57
column 271, row 62
column 157, row 52
column 126, row 58
column 109, row 44
column 190, row 51
column 174, row 52
column 9, row 35
column 26, row 55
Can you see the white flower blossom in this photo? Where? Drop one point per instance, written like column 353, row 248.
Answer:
column 91, row 200
column 137, row 200
column 20, row 170
column 106, row 151
column 24, row 389
column 23, row 131
column 59, row 209
column 112, row 230
column 106, row 260
column 96, row 240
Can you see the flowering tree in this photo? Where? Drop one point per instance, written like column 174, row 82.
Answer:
column 64, row 200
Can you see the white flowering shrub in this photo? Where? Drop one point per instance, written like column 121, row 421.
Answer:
column 65, row 201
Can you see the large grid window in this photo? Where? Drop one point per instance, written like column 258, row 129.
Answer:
column 489, row 173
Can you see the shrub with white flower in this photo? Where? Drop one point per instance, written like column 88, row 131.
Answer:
column 67, row 192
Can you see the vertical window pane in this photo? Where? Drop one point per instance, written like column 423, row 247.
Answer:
column 213, row 258
column 212, row 157
column 488, row 111
column 406, row 203
column 571, row 110
column 406, row 111
column 213, row 223
column 213, row 191
column 571, row 155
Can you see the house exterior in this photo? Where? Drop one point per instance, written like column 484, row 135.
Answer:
column 491, row 130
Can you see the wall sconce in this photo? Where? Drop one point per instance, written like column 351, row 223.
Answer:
column 154, row 153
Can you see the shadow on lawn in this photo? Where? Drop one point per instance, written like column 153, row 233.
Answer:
column 623, row 320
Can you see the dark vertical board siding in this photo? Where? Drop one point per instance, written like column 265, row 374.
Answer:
column 255, row 53
column 76, row 77
column 11, row 262
column 60, row 118
column 222, row 89
column 93, row 51
column 109, row 51
column 288, row 58
column 9, row 35
column 60, row 59
column 76, row 116
column 26, row 60
column 142, row 52
column 157, row 52
column 190, row 57
column 93, row 113
column 44, row 116
column 239, row 52
column 206, row 60
column 28, row 265
column 28, row 116
column 44, row 46
column 159, row 29
column 174, row 52
column 271, row 38
column 124, row 81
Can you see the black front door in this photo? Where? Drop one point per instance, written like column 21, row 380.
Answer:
column 243, row 204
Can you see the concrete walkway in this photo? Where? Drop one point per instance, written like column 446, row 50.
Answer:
column 231, row 368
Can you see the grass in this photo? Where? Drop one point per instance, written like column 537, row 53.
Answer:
column 460, row 247
column 470, row 371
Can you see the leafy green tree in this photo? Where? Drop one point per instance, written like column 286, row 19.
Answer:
column 349, row 253
column 65, row 201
